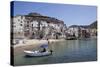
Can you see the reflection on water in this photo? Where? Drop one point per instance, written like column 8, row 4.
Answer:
column 65, row 51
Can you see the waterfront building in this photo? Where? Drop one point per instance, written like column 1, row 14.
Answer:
column 18, row 26
column 79, row 31
column 93, row 32
column 74, row 31
column 37, row 26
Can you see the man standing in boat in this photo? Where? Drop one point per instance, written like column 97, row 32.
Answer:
column 46, row 46
column 44, row 50
column 49, row 44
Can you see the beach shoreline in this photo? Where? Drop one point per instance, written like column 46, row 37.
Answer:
column 31, row 44
column 35, row 42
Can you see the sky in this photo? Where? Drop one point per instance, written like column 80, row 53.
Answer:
column 70, row 14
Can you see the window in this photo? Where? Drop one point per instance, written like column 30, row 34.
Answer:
column 27, row 25
column 27, row 21
column 32, row 25
column 18, row 32
column 20, row 24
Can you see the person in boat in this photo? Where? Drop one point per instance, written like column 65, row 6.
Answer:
column 44, row 47
column 44, row 50
column 48, row 44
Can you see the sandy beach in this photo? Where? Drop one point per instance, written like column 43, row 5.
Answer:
column 36, row 42
column 32, row 44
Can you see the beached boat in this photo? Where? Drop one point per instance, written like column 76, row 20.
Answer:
column 37, row 53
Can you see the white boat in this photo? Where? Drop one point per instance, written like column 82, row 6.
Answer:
column 37, row 53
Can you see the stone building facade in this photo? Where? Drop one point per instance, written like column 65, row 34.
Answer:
column 79, row 32
column 36, row 26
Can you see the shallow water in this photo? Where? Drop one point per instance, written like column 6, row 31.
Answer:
column 63, row 52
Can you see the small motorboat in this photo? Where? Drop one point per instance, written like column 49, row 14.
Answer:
column 37, row 53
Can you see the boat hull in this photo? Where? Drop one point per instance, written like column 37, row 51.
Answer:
column 37, row 53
